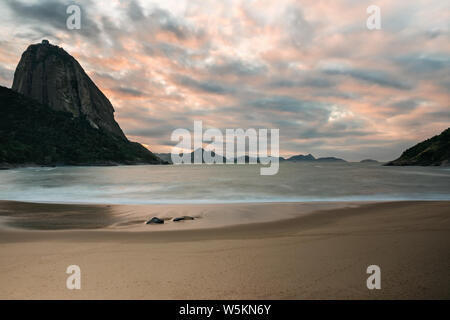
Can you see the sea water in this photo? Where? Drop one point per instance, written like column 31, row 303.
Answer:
column 172, row 184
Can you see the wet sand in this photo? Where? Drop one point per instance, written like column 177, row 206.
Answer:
column 52, row 216
column 315, row 255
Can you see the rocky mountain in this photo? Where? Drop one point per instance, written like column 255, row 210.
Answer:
column 300, row 157
column 330, row 159
column 431, row 152
column 310, row 157
column 246, row 158
column 369, row 161
column 35, row 134
column 56, row 115
column 167, row 157
column 50, row 75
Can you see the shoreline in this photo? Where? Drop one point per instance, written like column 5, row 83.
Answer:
column 320, row 255
column 275, row 227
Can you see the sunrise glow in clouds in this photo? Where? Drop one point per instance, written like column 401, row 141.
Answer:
column 310, row 68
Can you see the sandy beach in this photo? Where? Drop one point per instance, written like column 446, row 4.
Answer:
column 319, row 254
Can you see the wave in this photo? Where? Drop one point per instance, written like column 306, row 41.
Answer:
column 129, row 201
column 223, row 184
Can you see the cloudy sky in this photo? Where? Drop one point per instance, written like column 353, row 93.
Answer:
column 310, row 68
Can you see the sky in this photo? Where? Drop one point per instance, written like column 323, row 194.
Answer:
column 312, row 69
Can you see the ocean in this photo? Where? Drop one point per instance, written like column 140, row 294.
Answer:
column 170, row 184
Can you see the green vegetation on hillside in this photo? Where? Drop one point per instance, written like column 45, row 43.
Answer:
column 32, row 133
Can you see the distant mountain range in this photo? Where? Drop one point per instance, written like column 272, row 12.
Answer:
column 221, row 159
column 431, row 152
column 247, row 159
column 310, row 157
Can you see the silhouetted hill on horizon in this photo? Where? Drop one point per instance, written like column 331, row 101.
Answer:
column 310, row 157
column 369, row 161
column 246, row 158
column 50, row 75
column 34, row 134
column 431, row 152
column 221, row 159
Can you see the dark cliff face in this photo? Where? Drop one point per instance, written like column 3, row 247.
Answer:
column 53, row 77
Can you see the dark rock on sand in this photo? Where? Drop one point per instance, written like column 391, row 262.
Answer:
column 155, row 220
column 183, row 218
column 431, row 152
